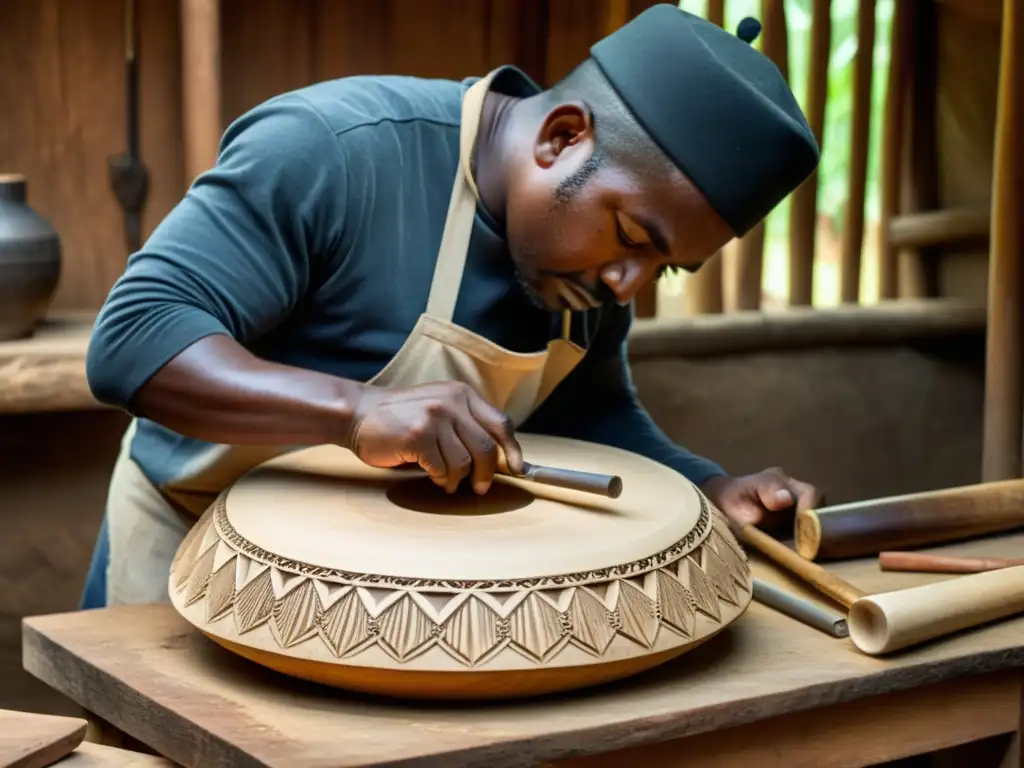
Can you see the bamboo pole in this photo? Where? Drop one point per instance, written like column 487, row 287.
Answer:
column 853, row 224
column 900, row 63
column 1003, row 427
column 803, row 212
column 703, row 289
column 747, row 272
column 200, row 84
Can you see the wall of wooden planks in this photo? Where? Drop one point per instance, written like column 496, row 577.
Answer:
column 62, row 93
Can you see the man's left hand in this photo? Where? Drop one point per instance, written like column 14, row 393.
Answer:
column 765, row 499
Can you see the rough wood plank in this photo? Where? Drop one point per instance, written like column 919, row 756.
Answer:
column 917, row 722
column 47, row 371
column 149, row 673
column 806, row 328
column 98, row 756
column 29, row 740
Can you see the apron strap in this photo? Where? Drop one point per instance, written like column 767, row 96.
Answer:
column 458, row 226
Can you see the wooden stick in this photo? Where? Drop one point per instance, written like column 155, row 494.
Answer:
column 890, row 621
column 827, row 583
column 912, row 520
column 924, row 563
column 587, row 482
column 810, row 613
column 953, row 225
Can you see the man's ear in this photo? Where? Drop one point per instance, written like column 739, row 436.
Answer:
column 567, row 126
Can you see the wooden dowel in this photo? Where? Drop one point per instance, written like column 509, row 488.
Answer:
column 955, row 225
column 852, row 240
column 891, row 621
column 200, row 85
column 587, row 482
column 910, row 520
column 1003, row 419
column 803, row 211
column 827, row 583
column 806, row 611
column 920, row 562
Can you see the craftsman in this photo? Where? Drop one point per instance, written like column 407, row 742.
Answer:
column 416, row 269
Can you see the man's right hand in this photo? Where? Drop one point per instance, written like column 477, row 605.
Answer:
column 445, row 427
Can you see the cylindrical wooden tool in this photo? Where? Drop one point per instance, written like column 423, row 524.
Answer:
column 891, row 621
column 588, row 482
column 924, row 563
column 912, row 520
column 827, row 583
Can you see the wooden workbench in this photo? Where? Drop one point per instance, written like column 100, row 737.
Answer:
column 767, row 690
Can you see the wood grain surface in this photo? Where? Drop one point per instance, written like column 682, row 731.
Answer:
column 146, row 671
column 90, row 755
column 46, row 372
column 29, row 740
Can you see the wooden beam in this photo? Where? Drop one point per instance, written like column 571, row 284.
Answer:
column 1003, row 427
column 853, row 225
column 954, row 225
column 803, row 212
column 200, row 84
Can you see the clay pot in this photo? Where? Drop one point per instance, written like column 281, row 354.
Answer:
column 30, row 261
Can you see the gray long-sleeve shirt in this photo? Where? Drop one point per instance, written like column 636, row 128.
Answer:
column 313, row 242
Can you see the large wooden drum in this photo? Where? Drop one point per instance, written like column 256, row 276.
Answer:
column 323, row 568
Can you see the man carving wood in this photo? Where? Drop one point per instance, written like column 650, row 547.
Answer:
column 418, row 269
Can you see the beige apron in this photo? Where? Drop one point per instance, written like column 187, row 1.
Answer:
column 147, row 524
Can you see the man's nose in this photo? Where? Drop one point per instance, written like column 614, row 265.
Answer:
column 625, row 278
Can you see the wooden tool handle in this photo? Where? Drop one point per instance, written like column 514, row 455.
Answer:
column 894, row 620
column 910, row 521
column 924, row 563
column 827, row 583
column 588, row 482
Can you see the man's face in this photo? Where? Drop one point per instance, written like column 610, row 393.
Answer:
column 584, row 231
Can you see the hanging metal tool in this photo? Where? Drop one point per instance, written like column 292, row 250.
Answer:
column 129, row 177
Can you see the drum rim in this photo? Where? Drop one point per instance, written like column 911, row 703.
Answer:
column 637, row 567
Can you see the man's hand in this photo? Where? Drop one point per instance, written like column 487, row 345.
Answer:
column 764, row 499
column 444, row 427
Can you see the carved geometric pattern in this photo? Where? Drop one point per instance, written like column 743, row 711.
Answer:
column 470, row 621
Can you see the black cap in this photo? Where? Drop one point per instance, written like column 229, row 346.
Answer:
column 719, row 108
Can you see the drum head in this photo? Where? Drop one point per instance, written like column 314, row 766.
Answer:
column 324, row 507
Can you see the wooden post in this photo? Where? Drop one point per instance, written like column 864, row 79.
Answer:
column 748, row 267
column 200, row 84
column 853, row 224
column 803, row 212
column 900, row 62
column 1003, row 427
column 704, row 287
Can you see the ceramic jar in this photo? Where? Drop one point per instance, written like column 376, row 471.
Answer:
column 30, row 261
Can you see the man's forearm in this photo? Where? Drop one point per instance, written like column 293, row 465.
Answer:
column 216, row 390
